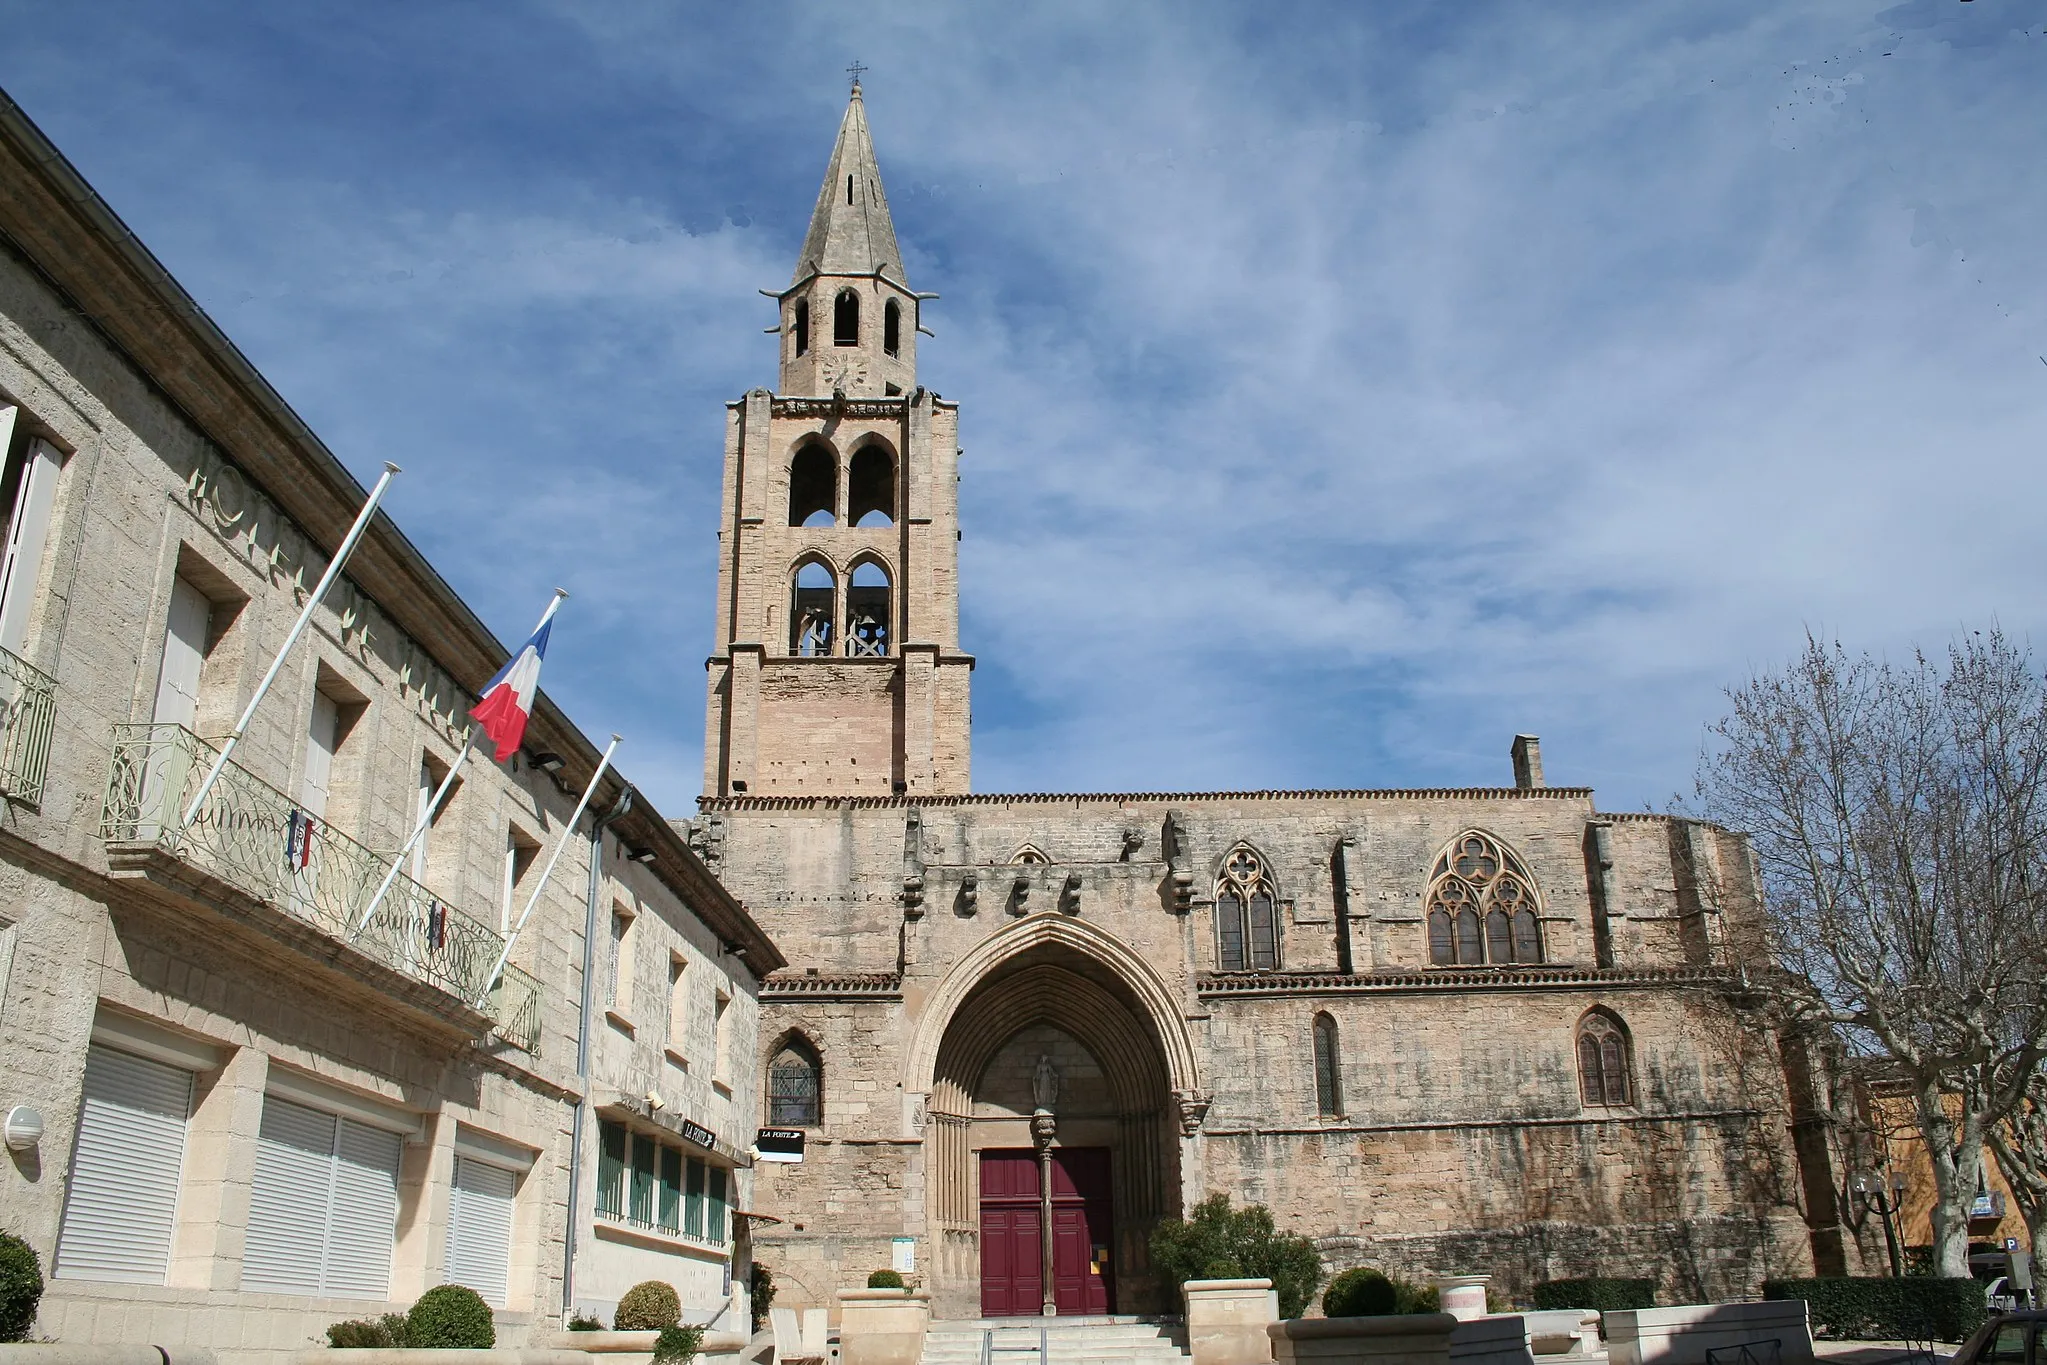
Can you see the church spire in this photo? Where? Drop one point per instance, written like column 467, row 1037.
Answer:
column 850, row 231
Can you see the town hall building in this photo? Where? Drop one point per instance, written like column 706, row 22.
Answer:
column 1444, row 1031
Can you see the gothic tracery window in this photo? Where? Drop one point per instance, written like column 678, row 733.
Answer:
column 793, row 1086
column 1603, row 1071
column 1246, row 915
column 1482, row 906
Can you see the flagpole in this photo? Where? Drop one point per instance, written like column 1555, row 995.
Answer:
column 426, row 817
column 362, row 523
column 567, row 831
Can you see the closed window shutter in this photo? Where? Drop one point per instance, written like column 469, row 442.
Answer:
column 123, row 1195
column 323, row 1206
column 364, row 1219
column 480, row 1229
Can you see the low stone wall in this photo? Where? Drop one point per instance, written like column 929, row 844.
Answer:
column 1501, row 1340
column 1563, row 1331
column 883, row 1326
column 66, row 1353
column 637, row 1348
column 1226, row 1321
column 1408, row 1339
column 1683, row 1335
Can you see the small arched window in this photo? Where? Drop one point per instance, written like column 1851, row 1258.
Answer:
column 802, row 326
column 813, row 611
column 1030, row 855
column 846, row 319
column 871, row 487
column 1482, row 906
column 1328, row 1072
column 1246, row 915
column 892, row 328
column 1603, row 1070
column 813, row 485
column 793, row 1086
column 867, row 612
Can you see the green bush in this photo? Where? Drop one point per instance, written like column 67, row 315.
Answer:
column 360, row 1333
column 450, row 1317
column 1870, row 1308
column 21, row 1287
column 1360, row 1293
column 884, row 1279
column 648, row 1306
column 583, row 1322
column 761, row 1295
column 1598, row 1294
column 677, row 1345
column 1221, row 1243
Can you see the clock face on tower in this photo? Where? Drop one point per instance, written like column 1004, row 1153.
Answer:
column 843, row 373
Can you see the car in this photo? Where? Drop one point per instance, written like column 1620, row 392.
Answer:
column 2005, row 1339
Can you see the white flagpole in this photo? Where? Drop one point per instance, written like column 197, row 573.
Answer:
column 426, row 817
column 362, row 523
column 568, row 832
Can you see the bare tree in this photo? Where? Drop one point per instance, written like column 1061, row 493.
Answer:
column 1899, row 814
column 2020, row 1143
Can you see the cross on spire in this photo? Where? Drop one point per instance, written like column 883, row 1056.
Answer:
column 856, row 71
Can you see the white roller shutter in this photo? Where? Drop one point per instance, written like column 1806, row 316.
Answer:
column 480, row 1229
column 323, row 1207
column 123, row 1195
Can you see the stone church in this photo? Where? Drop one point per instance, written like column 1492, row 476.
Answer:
column 1451, row 1031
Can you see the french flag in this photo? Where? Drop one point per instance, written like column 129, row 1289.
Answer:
column 507, row 702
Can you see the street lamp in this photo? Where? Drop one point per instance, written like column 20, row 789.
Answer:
column 1885, row 1202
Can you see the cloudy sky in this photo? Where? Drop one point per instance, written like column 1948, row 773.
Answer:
column 1344, row 387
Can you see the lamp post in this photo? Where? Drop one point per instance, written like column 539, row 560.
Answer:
column 1885, row 1202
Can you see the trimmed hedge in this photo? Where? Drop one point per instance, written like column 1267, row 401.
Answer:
column 450, row 1317
column 357, row 1333
column 1599, row 1294
column 1360, row 1293
column 21, row 1287
column 648, row 1306
column 1873, row 1308
column 884, row 1279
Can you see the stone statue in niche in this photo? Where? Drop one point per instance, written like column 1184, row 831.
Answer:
column 1045, row 1084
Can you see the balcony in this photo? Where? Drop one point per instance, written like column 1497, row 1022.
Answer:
column 245, row 854
column 28, row 711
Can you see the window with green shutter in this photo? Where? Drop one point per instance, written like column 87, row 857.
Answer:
column 693, row 1205
column 611, row 1169
column 671, row 1190
column 645, row 1174
column 715, row 1233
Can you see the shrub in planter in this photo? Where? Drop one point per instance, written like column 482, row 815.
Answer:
column 21, row 1287
column 884, row 1279
column 1600, row 1294
column 1221, row 1243
column 361, row 1333
column 761, row 1284
column 583, row 1322
column 677, row 1345
column 648, row 1306
column 1874, row 1308
column 1360, row 1293
column 450, row 1317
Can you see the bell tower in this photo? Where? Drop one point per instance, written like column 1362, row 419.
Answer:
column 837, row 670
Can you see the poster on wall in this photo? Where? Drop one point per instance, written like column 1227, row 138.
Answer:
column 906, row 1255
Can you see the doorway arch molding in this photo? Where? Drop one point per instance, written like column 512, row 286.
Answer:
column 1052, row 929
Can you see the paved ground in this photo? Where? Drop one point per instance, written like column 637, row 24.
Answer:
column 1878, row 1352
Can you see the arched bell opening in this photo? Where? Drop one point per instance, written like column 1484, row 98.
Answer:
column 871, row 486
column 870, row 632
column 813, row 610
column 1049, row 1034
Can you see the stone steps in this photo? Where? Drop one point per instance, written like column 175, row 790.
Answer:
column 1055, row 1341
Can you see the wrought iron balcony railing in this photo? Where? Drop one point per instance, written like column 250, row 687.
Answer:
column 253, row 837
column 28, row 712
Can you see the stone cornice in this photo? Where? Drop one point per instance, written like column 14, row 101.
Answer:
column 786, row 986
column 860, row 409
column 747, row 803
column 1241, row 985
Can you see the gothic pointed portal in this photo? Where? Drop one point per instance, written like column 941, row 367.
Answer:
column 849, row 317
column 850, row 232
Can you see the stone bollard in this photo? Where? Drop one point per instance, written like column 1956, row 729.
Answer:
column 1462, row 1296
column 883, row 1326
column 1404, row 1339
column 1226, row 1321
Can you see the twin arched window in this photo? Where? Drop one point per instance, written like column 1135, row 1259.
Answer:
column 814, row 624
column 1246, row 915
column 1482, row 906
column 1603, row 1070
column 794, row 1086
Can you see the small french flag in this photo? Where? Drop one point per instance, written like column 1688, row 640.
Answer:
column 507, row 701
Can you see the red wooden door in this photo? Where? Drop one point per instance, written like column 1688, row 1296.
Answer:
column 1011, row 1253
column 1010, row 1250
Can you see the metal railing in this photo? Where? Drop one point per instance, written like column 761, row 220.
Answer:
column 252, row 836
column 28, row 713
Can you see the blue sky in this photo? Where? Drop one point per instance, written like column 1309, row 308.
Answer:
column 1344, row 388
